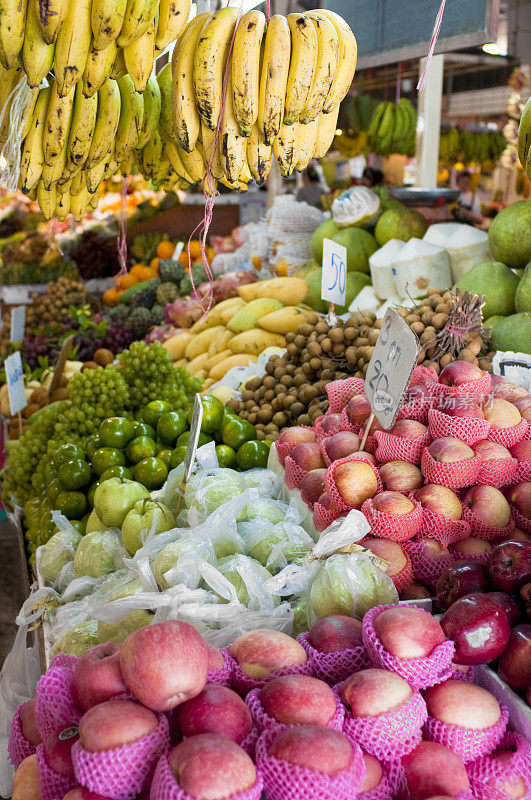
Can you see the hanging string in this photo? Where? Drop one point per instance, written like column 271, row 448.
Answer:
column 122, row 238
column 433, row 42
column 53, row 237
column 268, row 10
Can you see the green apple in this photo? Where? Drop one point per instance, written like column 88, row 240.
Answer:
column 113, row 499
column 145, row 517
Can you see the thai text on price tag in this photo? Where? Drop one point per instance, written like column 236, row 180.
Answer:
column 334, row 279
column 391, row 366
column 195, row 430
column 15, row 383
column 18, row 323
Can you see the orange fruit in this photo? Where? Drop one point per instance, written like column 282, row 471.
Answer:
column 137, row 271
column 195, row 249
column 183, row 258
column 155, row 265
column 165, row 249
column 111, row 297
column 210, row 253
column 146, row 273
column 124, row 282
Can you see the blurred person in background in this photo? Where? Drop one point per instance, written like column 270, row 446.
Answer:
column 468, row 207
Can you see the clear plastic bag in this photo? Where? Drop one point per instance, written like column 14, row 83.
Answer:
column 209, row 489
column 264, row 481
column 275, row 545
column 99, row 553
column 58, row 551
column 240, row 579
column 178, row 562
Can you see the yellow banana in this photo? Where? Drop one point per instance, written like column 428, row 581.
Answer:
column 81, row 127
column 128, row 164
column 118, row 68
column 173, row 16
column 106, row 122
column 131, row 113
column 151, row 155
column 139, row 56
column 259, row 155
column 174, row 156
column 57, row 126
column 78, row 204
column 193, row 163
column 28, row 113
column 8, row 81
column 12, row 27
column 137, row 19
column 246, row 69
column 164, row 79
column 98, row 68
column 245, row 175
column 63, row 186
column 50, row 14
column 186, row 119
column 233, row 145
column 32, row 159
column 211, row 156
column 163, row 169
column 106, row 18
column 37, row 56
column 111, row 167
column 79, row 182
column 94, row 175
column 325, row 66
column 94, row 200
column 53, row 173
column 304, row 47
column 62, row 206
column 209, row 63
column 346, row 67
column 286, row 148
column 274, row 78
column 47, row 200
column 326, row 131
column 151, row 116
column 72, row 46
column 307, row 142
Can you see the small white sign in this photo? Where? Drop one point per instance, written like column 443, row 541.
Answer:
column 179, row 247
column 334, row 280
column 195, row 430
column 15, row 383
column 18, row 323
column 390, row 368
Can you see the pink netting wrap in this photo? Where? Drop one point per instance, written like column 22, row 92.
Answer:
column 483, row 558
column 472, row 388
column 340, row 392
column 285, row 781
column 522, row 472
column 416, row 409
column 243, row 684
column 249, row 743
column 284, row 448
column 294, row 473
column 383, row 791
column 371, row 443
column 335, row 667
column 484, row 531
column 165, row 787
column 521, row 522
column 423, row 375
column 463, row 675
column 347, row 425
column 54, row 707
column 399, row 528
column 467, row 429
column 427, row 567
column 508, row 437
column 420, row 673
column 320, row 432
column 455, row 475
column 389, row 735
column 331, row 488
column 18, row 746
column 222, row 676
column 497, row 472
column 323, row 517
column 125, row 771
column 64, row 660
column 467, row 743
column 437, row 526
column 487, row 776
column 398, row 448
column 403, row 578
column 51, row 784
column 263, row 721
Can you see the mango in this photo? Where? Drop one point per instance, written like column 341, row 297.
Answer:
column 255, row 341
column 285, row 320
column 248, row 316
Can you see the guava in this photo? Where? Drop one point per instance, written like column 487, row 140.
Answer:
column 120, row 630
column 275, row 545
column 266, row 507
column 300, row 618
column 509, row 235
column 168, row 557
column 94, row 523
column 145, row 518
column 77, row 639
column 114, row 498
column 264, row 480
column 98, row 553
column 58, row 551
column 209, row 489
column 233, row 567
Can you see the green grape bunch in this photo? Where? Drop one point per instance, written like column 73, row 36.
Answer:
column 150, row 375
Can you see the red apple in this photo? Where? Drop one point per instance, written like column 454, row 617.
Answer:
column 388, row 551
column 371, row 692
column 519, row 496
column 471, row 546
column 408, row 429
column 363, row 455
column 400, row 476
column 459, row 372
column 510, row 566
column 97, row 676
column 325, row 501
column 393, row 503
column 261, row 652
column 28, row 724
column 513, row 789
column 459, row 579
column 501, row 413
column 524, row 407
column 297, row 434
column 164, row 664
column 521, row 536
column 341, row 444
column 331, row 423
column 522, row 450
column 509, row 391
column 461, row 703
column 489, row 505
column 510, row 604
column 358, row 409
column 115, row 723
column 373, row 773
column 210, row 767
column 525, row 596
column 514, row 666
column 313, row 485
column 58, row 748
column 415, row 591
column 461, row 406
column 408, row 632
column 335, row 633
column 215, row 710
column 439, row 499
column 433, row 546
column 308, row 456
column 479, row 627
column 433, row 769
column 313, row 747
column 215, row 659
column 298, row 700
column 448, row 450
column 355, row 482
column 490, row 451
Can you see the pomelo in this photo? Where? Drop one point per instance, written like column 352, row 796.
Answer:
column 513, row 333
column 497, row 282
column 523, row 293
column 360, row 246
column 326, row 230
column 509, row 235
column 400, row 222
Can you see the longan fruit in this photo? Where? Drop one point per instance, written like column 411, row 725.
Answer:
column 255, row 382
column 315, row 364
column 292, row 350
column 351, row 354
column 337, row 335
column 443, row 308
column 290, row 337
column 280, row 419
column 299, row 379
column 304, row 419
column 300, row 341
column 338, row 349
column 445, row 359
column 305, row 329
column 378, row 324
column 314, row 349
column 326, row 345
column 321, row 327
column 268, row 381
column 286, row 380
column 466, row 355
column 373, row 336
column 418, row 328
column 439, row 321
column 297, row 409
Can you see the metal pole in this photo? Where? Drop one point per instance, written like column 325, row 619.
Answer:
column 429, row 124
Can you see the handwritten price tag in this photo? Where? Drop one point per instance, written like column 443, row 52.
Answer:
column 18, row 323
column 334, row 279
column 15, row 383
column 391, row 366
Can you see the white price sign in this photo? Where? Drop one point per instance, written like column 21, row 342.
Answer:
column 389, row 372
column 334, row 280
column 15, row 383
column 18, row 323
column 179, row 247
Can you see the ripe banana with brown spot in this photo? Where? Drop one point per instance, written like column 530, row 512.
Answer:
column 152, row 104
column 325, row 132
column 82, row 127
column 259, row 155
column 131, row 116
column 50, row 14
column 106, row 123
column 79, row 182
column 32, row 159
column 185, row 116
column 211, row 154
column 245, row 63
column 72, row 46
column 209, row 63
column 78, row 204
column 46, row 200
column 151, row 155
column 62, row 206
column 57, row 128
column 274, row 78
column 325, row 67
column 37, row 56
column 53, row 173
column 286, row 148
column 304, row 48
column 28, row 112
column 173, row 16
column 12, row 30
column 139, row 56
column 193, row 162
column 118, row 68
column 98, row 68
column 346, row 67
column 137, row 19
column 106, row 20
column 174, row 156
column 233, row 146
column 307, row 142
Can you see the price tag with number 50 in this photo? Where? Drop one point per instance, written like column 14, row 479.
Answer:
column 334, row 280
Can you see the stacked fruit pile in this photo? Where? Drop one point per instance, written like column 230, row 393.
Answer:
column 469, row 146
column 350, row 710
column 393, row 128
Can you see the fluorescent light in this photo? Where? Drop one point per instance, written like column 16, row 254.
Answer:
column 492, row 48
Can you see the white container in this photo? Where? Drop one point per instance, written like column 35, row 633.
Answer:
column 441, row 231
column 382, row 268
column 420, row 265
column 466, row 248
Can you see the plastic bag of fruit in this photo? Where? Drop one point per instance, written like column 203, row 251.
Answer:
column 277, row 544
column 240, row 579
